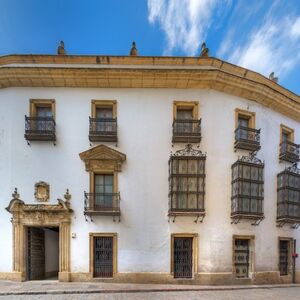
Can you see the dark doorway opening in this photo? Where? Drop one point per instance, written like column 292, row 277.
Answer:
column 42, row 253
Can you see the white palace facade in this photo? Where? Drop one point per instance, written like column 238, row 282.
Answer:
column 147, row 169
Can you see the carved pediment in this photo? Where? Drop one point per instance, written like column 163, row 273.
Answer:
column 102, row 157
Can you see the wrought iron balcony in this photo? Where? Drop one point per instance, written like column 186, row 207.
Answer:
column 40, row 129
column 289, row 152
column 288, row 196
column 103, row 130
column 102, row 204
column 186, row 131
column 247, row 138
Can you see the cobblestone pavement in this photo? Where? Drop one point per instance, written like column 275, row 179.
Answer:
column 291, row 293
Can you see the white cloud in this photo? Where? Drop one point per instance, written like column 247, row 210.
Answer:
column 184, row 22
column 295, row 30
column 272, row 47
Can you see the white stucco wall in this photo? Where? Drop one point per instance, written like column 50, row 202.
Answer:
column 144, row 132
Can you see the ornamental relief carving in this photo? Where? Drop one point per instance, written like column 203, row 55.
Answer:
column 42, row 191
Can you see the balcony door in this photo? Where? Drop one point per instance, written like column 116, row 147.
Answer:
column 184, row 116
column 104, row 187
column 104, row 117
column 43, row 112
column 243, row 124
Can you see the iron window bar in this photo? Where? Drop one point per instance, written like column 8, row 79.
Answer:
column 289, row 152
column 185, row 130
column 103, row 129
column 247, row 138
column 102, row 204
column 40, row 128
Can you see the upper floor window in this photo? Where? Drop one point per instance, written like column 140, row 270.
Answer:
column 288, row 150
column 103, row 121
column 103, row 165
column 186, row 125
column 247, row 189
column 247, row 137
column 40, row 125
column 187, row 182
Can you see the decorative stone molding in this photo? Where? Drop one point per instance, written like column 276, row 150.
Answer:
column 44, row 215
column 146, row 72
column 42, row 191
column 102, row 157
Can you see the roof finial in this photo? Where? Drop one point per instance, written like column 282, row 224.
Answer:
column 204, row 51
column 15, row 194
column 273, row 78
column 61, row 48
column 133, row 50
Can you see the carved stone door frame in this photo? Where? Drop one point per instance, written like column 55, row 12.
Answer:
column 40, row 215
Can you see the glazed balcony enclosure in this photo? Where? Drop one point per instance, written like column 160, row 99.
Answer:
column 247, row 138
column 247, row 189
column 103, row 130
column 289, row 152
column 187, row 182
column 102, row 204
column 186, row 131
column 40, row 129
column 288, row 196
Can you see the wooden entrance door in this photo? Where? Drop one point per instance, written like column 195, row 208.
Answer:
column 183, row 257
column 103, row 256
column 35, row 253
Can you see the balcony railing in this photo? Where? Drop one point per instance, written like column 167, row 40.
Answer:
column 289, row 152
column 247, row 138
column 102, row 204
column 186, row 131
column 103, row 130
column 40, row 128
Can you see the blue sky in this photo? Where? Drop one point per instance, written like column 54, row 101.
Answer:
column 262, row 35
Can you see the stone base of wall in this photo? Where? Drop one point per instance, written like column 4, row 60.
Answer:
column 166, row 278
column 15, row 276
column 199, row 278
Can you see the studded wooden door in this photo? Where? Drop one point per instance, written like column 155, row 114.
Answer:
column 183, row 257
column 35, row 253
column 241, row 258
column 103, row 256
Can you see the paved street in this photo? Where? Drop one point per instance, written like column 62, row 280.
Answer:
column 291, row 293
column 54, row 290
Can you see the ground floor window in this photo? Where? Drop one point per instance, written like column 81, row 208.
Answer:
column 242, row 256
column 183, row 255
column 284, row 256
column 103, row 257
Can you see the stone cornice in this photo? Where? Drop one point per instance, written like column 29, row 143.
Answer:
column 146, row 72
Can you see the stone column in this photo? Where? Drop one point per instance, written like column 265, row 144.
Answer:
column 18, row 251
column 64, row 252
